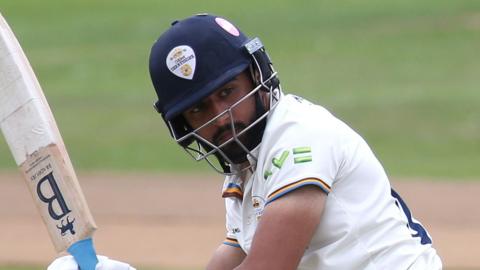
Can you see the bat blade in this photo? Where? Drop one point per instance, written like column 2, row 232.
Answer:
column 33, row 137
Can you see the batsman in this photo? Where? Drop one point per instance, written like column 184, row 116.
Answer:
column 302, row 189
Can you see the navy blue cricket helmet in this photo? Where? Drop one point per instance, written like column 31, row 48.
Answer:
column 210, row 47
column 196, row 56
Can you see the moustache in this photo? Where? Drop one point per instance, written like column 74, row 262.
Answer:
column 227, row 128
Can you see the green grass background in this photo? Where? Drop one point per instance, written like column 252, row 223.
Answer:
column 404, row 73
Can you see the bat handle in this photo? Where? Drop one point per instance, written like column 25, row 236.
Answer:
column 84, row 254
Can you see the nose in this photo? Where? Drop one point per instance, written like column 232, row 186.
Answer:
column 219, row 109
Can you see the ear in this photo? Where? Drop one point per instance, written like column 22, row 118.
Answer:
column 265, row 96
column 254, row 75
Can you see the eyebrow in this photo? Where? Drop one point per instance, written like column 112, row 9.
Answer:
column 235, row 79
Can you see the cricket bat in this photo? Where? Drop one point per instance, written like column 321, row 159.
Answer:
column 33, row 137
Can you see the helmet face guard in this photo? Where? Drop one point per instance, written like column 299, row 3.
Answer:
column 236, row 54
column 200, row 148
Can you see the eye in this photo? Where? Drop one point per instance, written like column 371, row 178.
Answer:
column 196, row 109
column 226, row 92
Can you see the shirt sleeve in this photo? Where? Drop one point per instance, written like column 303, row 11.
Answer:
column 313, row 157
column 232, row 222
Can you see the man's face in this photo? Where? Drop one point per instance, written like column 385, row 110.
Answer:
column 220, row 130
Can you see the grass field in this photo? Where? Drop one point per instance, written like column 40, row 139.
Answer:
column 405, row 74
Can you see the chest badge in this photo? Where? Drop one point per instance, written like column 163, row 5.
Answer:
column 258, row 204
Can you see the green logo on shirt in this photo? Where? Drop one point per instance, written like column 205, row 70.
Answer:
column 300, row 155
column 279, row 162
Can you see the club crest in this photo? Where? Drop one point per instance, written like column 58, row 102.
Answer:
column 181, row 62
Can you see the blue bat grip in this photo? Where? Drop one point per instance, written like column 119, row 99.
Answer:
column 84, row 254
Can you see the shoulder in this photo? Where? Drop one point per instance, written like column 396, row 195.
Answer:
column 294, row 112
column 302, row 145
column 296, row 122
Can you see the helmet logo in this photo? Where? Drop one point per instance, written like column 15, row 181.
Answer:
column 186, row 70
column 181, row 61
column 227, row 26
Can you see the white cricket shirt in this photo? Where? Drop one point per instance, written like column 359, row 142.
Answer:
column 365, row 224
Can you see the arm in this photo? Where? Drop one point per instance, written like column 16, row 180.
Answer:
column 226, row 258
column 285, row 230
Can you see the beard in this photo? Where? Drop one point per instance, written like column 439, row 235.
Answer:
column 249, row 139
column 233, row 150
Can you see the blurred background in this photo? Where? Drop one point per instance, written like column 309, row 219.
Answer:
column 404, row 74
